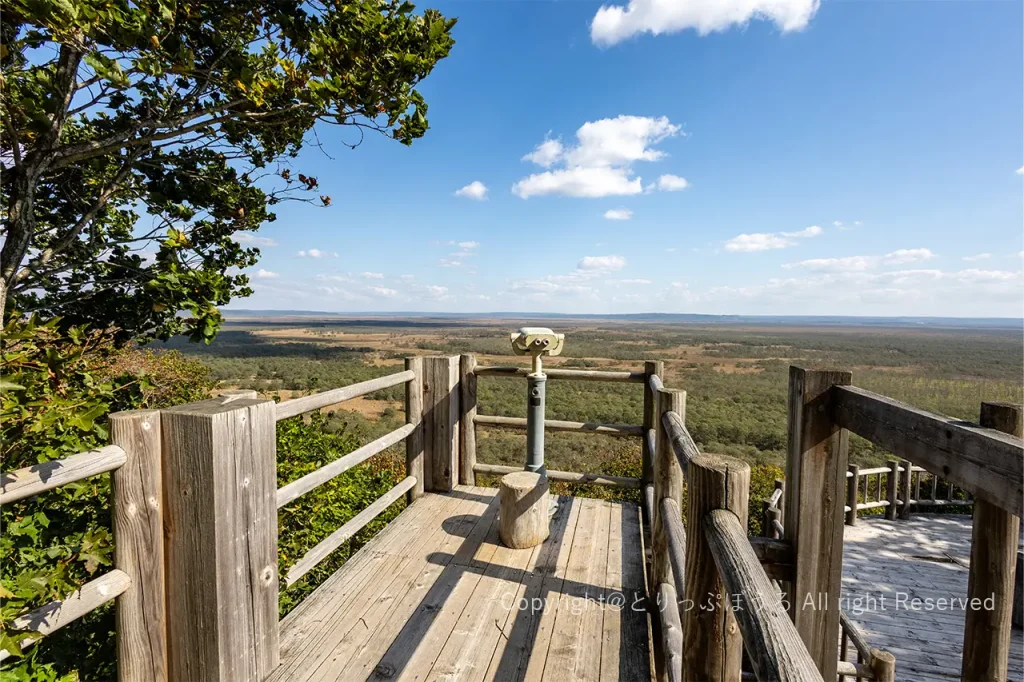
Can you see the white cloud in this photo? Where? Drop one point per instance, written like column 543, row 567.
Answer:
column 437, row 292
column 467, row 245
column 618, row 214
column 615, row 23
column 317, row 253
column 372, row 275
column 980, row 256
column 1020, row 171
column 812, row 231
column 600, row 164
column 602, row 263
column 672, row 183
column 266, row 274
column 546, row 153
column 252, row 240
column 383, row 291
column 628, row 282
column 475, row 190
column 902, row 256
column 848, row 264
column 579, row 182
column 758, row 241
column 450, row 263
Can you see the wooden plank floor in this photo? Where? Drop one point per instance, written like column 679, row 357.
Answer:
column 435, row 596
column 924, row 556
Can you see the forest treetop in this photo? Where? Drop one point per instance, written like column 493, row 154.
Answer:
column 188, row 113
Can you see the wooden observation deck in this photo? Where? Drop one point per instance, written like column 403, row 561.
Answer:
column 668, row 590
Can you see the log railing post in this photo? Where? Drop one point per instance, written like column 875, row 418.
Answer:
column 713, row 644
column 220, row 511
column 852, row 494
column 816, row 475
column 467, row 430
column 892, row 489
column 139, row 547
column 667, row 478
column 651, row 415
column 906, row 479
column 441, row 422
column 994, row 536
column 414, row 416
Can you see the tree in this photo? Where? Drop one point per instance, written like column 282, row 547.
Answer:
column 140, row 138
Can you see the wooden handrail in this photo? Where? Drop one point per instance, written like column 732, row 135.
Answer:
column 519, row 423
column 564, row 476
column 314, row 480
column 676, row 545
column 314, row 556
column 297, row 406
column 985, row 462
column 671, row 631
column 38, row 478
column 680, row 439
column 769, row 636
column 51, row 617
column 573, row 374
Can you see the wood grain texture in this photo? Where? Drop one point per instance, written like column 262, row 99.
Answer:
column 324, row 548
column 441, row 422
column 675, row 533
column 680, row 439
column 297, row 406
column 467, row 442
column 652, row 368
column 852, row 494
column 815, row 495
column 555, row 373
column 714, row 647
column 668, row 483
column 773, row 644
column 220, row 511
column 38, row 478
column 983, row 461
column 906, row 479
column 414, row 452
column 671, row 632
column 299, row 487
column 523, row 518
column 51, row 617
column 892, row 490
column 567, row 476
column 519, row 424
column 994, row 538
column 139, row 547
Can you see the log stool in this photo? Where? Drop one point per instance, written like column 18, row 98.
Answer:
column 523, row 520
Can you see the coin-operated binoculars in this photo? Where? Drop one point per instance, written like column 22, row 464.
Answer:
column 536, row 342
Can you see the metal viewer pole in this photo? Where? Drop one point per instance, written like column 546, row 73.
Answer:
column 535, row 394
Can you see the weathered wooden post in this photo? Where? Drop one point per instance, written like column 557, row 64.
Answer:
column 414, row 416
column 467, row 430
column 994, row 536
column 651, row 416
column 441, row 422
column 852, row 494
column 713, row 644
column 906, row 480
column 220, row 511
column 891, row 488
column 816, row 476
column 139, row 547
column 667, row 479
column 883, row 664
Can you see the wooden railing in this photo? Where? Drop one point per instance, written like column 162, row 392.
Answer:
column 469, row 467
column 137, row 579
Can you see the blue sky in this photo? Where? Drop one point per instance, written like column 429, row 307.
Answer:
column 852, row 157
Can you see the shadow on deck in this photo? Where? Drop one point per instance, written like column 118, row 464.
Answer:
column 435, row 596
column 925, row 557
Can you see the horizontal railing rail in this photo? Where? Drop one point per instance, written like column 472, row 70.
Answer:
column 38, row 478
column 624, row 482
column 982, row 461
column 901, row 489
column 555, row 373
column 519, row 424
column 317, row 401
column 871, row 664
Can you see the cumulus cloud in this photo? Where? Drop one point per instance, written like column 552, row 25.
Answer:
column 1020, row 171
column 383, row 291
column 977, row 257
column 618, row 214
column 615, row 23
column 601, row 263
column 767, row 241
column 847, row 264
column 266, row 274
column 628, row 282
column 317, row 253
column 903, row 256
column 249, row 239
column 672, row 183
column 372, row 275
column 475, row 190
column 601, row 162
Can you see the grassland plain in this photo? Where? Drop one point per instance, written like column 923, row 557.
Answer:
column 735, row 378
